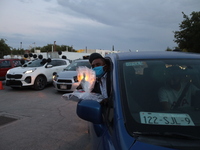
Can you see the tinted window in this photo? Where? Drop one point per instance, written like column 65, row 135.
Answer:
column 5, row 64
column 16, row 63
column 34, row 63
column 60, row 62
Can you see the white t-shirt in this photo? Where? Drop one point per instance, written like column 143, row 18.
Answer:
column 167, row 94
column 103, row 86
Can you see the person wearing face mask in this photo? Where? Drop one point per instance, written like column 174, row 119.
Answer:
column 100, row 67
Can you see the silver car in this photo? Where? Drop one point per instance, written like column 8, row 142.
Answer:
column 66, row 80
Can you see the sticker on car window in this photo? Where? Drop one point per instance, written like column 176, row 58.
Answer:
column 137, row 63
column 166, row 119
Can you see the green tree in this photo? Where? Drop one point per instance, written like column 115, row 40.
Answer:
column 48, row 48
column 188, row 38
column 168, row 49
column 17, row 51
column 4, row 48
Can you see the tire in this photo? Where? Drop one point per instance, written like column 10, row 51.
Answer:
column 40, row 83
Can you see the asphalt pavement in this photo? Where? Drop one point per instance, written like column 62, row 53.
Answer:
column 40, row 120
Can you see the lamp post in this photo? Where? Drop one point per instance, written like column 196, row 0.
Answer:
column 54, row 46
column 20, row 45
column 34, row 48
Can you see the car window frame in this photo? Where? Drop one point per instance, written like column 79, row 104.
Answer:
column 108, row 110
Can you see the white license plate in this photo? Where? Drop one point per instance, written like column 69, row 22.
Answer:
column 63, row 87
column 166, row 119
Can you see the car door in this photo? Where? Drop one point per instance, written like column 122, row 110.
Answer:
column 54, row 66
column 5, row 65
column 103, row 135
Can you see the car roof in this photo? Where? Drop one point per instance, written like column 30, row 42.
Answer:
column 58, row 59
column 10, row 59
column 52, row 59
column 153, row 55
column 81, row 60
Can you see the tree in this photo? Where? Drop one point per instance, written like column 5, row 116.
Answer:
column 168, row 49
column 188, row 38
column 4, row 48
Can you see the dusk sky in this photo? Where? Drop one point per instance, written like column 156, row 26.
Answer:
column 95, row 24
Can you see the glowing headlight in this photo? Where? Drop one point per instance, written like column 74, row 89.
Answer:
column 29, row 71
column 55, row 77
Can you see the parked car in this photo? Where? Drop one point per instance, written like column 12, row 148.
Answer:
column 66, row 80
column 36, row 73
column 6, row 64
column 133, row 119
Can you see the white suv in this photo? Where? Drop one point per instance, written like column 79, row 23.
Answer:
column 36, row 73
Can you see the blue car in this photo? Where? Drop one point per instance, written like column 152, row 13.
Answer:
column 154, row 103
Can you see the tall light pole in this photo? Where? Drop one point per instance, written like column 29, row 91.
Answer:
column 34, row 48
column 20, row 45
column 54, row 46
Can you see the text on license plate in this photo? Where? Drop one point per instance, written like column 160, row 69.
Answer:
column 166, row 119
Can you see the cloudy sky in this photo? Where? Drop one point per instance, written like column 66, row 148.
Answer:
column 95, row 24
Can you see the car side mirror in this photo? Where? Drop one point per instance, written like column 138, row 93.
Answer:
column 90, row 110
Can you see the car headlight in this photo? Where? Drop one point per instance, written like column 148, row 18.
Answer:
column 8, row 71
column 55, row 77
column 75, row 79
column 29, row 71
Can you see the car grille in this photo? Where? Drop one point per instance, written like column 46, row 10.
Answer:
column 15, row 76
column 68, row 87
column 64, row 81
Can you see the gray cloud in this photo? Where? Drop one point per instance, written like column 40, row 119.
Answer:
column 99, row 24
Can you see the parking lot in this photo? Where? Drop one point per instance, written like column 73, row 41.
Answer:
column 40, row 120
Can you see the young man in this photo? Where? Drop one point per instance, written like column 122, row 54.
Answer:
column 100, row 67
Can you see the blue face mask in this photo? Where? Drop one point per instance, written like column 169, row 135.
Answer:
column 99, row 71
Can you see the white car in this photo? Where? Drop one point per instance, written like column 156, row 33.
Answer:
column 36, row 73
column 66, row 80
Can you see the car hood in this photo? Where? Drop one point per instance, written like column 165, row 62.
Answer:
column 21, row 69
column 67, row 74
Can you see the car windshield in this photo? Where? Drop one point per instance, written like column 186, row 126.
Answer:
column 75, row 64
column 160, row 93
column 35, row 63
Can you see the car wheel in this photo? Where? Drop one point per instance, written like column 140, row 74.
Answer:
column 40, row 83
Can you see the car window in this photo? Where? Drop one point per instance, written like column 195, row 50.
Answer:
column 60, row 62
column 16, row 63
column 53, row 62
column 73, row 66
column 5, row 64
column 148, row 84
column 34, row 63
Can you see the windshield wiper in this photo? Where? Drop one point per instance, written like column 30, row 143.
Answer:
column 166, row 134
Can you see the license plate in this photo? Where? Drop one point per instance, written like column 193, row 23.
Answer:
column 63, row 87
column 166, row 119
